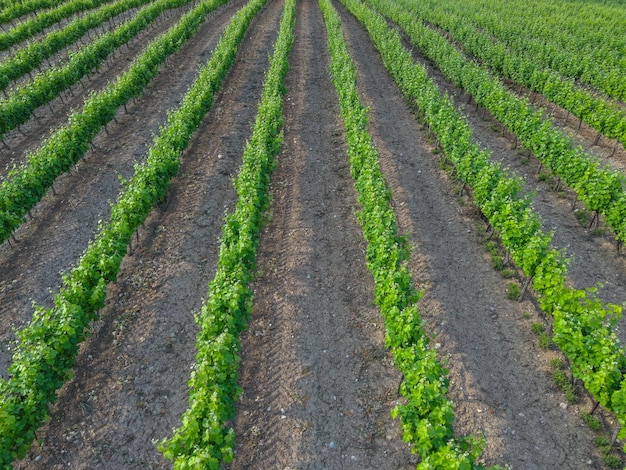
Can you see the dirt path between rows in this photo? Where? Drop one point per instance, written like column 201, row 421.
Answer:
column 130, row 385
column 318, row 382
column 65, row 220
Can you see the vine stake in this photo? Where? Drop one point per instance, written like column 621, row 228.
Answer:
column 595, row 407
column 597, row 139
column 524, row 287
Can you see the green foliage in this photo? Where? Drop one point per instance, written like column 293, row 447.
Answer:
column 603, row 443
column 537, row 66
column 25, row 186
column 544, row 341
column 508, row 273
column 538, row 328
column 428, row 415
column 544, row 176
column 583, row 328
column 513, row 291
column 556, row 363
column 31, row 56
column 47, row 347
column 591, row 421
column 37, row 23
column 492, row 247
column 203, row 440
column 582, row 216
column 498, row 262
column 598, row 187
column 561, row 380
column 612, row 461
column 22, row 101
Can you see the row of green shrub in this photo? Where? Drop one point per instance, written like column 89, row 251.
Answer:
column 523, row 68
column 47, row 347
column 37, row 23
column 203, row 440
column 24, row 186
column 583, row 327
column 428, row 415
column 19, row 106
column 31, row 56
column 597, row 186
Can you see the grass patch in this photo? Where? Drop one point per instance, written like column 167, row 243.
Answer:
column 591, row 421
column 513, row 291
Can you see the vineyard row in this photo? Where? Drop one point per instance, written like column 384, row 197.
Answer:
column 32, row 56
column 526, row 70
column 26, row 185
column 582, row 325
column 428, row 415
column 581, row 40
column 203, row 440
column 22, row 102
column 598, row 187
column 38, row 23
column 47, row 347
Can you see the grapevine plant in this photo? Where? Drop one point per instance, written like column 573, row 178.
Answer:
column 584, row 43
column 28, row 58
column 598, row 187
column 41, row 21
column 525, row 69
column 26, row 185
column 428, row 416
column 47, row 348
column 583, row 327
column 22, row 101
column 203, row 440
column 11, row 9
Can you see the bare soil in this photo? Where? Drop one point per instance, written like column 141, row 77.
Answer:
column 318, row 382
column 32, row 134
column 591, row 249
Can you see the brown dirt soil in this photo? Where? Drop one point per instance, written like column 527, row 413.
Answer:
column 53, row 115
column 592, row 250
column 318, row 383
column 61, row 57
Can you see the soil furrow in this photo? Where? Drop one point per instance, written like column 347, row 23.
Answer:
column 66, row 219
column 60, row 58
column 50, row 116
column 318, row 383
column 130, row 385
column 593, row 254
column 500, row 380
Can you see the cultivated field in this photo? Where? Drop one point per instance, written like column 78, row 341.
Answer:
column 158, row 225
